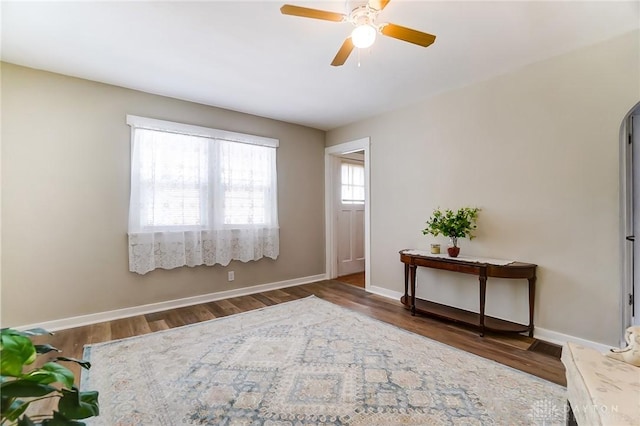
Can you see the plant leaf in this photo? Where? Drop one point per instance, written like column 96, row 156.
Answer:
column 51, row 372
column 82, row 363
column 26, row 333
column 11, row 332
column 78, row 405
column 25, row 388
column 43, row 349
column 16, row 351
column 36, row 332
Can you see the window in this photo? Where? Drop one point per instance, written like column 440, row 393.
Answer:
column 246, row 174
column 352, row 183
column 173, row 181
column 200, row 196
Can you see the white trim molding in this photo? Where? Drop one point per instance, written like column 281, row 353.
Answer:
column 385, row 292
column 64, row 323
column 561, row 338
column 330, row 157
column 628, row 130
column 169, row 126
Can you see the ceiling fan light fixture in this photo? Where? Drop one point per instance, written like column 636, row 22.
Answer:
column 363, row 36
column 365, row 20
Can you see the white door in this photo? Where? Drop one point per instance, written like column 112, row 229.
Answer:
column 350, row 215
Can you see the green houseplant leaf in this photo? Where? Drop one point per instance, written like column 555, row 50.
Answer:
column 51, row 372
column 25, row 388
column 36, row 332
column 17, row 351
column 78, row 405
column 26, row 333
column 82, row 363
column 43, row 349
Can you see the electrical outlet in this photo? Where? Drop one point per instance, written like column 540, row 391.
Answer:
column 232, row 276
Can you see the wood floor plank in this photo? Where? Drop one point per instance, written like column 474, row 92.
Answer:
column 155, row 316
column 100, row 332
column 203, row 312
column 158, row 325
column 511, row 350
column 246, row 303
column 264, row 299
column 216, row 309
column 298, row 291
column 174, row 319
column 228, row 307
column 194, row 314
column 139, row 325
column 121, row 328
column 356, row 279
column 280, row 296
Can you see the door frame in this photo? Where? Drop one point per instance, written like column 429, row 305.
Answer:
column 626, row 222
column 331, row 157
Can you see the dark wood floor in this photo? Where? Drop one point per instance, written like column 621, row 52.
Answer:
column 356, row 279
column 520, row 352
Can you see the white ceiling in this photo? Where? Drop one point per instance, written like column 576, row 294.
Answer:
column 247, row 56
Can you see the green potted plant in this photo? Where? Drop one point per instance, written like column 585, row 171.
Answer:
column 21, row 385
column 459, row 224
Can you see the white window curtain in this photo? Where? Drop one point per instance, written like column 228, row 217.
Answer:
column 200, row 196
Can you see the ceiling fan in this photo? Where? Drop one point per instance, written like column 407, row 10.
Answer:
column 366, row 28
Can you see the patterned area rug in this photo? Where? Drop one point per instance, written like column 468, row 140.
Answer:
column 308, row 362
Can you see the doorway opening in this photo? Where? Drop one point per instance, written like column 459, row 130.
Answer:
column 630, row 229
column 347, row 213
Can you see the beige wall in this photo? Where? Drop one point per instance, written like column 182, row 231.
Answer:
column 537, row 150
column 65, row 195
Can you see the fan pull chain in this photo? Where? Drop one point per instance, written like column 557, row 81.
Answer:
column 359, row 57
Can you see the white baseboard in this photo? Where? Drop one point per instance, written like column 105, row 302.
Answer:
column 539, row 333
column 79, row 321
column 561, row 338
column 385, row 292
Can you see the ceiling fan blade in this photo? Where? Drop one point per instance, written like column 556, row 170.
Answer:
column 306, row 12
column 407, row 34
column 378, row 4
column 343, row 53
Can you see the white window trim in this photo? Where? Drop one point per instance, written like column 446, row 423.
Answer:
column 190, row 129
column 331, row 158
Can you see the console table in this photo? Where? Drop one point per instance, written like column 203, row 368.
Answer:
column 483, row 269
